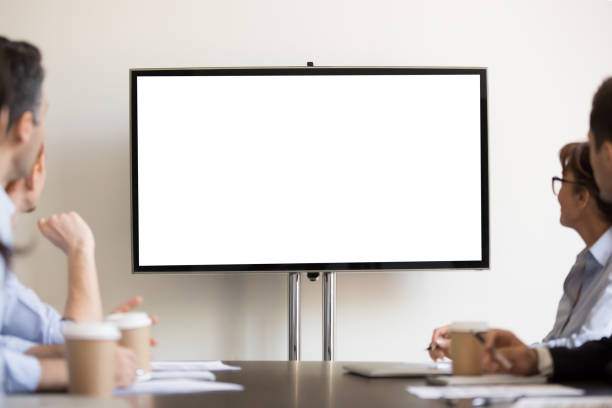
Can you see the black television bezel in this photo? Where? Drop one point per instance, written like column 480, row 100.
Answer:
column 293, row 267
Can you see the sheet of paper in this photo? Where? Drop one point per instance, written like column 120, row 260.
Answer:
column 217, row 365
column 488, row 379
column 60, row 401
column 194, row 375
column 575, row 402
column 177, row 386
column 493, row 391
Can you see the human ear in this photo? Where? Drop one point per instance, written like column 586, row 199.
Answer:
column 4, row 118
column 23, row 127
column 583, row 197
column 38, row 171
column 606, row 150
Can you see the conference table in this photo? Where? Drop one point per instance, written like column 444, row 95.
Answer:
column 272, row 384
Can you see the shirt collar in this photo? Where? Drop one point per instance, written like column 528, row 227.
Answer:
column 602, row 248
column 7, row 209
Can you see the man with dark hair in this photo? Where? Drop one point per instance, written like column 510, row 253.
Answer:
column 18, row 152
column 20, row 143
column 31, row 340
column 593, row 359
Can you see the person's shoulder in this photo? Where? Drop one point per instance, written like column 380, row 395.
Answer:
column 12, row 282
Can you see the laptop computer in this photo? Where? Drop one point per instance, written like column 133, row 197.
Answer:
column 397, row 369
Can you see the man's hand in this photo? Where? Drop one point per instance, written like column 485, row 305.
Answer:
column 524, row 359
column 69, row 232
column 47, row 351
column 440, row 343
column 126, row 365
column 132, row 304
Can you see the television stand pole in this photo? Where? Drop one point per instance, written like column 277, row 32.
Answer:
column 294, row 316
column 329, row 315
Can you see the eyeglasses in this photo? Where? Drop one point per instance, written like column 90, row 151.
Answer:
column 558, row 181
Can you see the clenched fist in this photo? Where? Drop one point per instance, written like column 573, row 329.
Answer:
column 68, row 231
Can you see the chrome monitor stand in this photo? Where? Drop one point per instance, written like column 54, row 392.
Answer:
column 329, row 313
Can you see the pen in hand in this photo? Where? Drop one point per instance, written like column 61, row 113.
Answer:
column 434, row 347
column 496, row 354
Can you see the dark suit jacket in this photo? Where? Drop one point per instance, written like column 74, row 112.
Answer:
column 592, row 360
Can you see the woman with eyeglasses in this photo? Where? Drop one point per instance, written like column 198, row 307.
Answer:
column 585, row 307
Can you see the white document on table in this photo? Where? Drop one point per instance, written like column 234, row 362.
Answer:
column 194, row 375
column 177, row 386
column 487, row 379
column 60, row 401
column 510, row 392
column 575, row 402
column 216, row 365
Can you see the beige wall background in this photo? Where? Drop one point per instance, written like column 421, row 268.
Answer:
column 545, row 60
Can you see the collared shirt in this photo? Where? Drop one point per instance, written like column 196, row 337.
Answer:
column 19, row 372
column 26, row 322
column 7, row 208
column 26, row 317
column 590, row 283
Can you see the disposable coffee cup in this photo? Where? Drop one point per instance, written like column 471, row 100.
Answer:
column 136, row 335
column 467, row 351
column 91, row 357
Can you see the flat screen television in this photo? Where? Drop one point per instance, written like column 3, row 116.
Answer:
column 309, row 169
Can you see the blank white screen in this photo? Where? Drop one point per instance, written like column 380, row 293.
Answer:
column 302, row 169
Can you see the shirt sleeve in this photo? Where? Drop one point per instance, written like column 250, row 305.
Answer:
column 16, row 343
column 21, row 372
column 27, row 317
column 589, row 361
column 545, row 363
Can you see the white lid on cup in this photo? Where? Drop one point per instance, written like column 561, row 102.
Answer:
column 91, row 331
column 131, row 320
column 469, row 327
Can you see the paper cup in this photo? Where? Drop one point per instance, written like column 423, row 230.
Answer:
column 467, row 351
column 91, row 357
column 136, row 335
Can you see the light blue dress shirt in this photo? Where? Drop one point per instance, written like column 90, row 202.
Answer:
column 589, row 318
column 27, row 318
column 6, row 210
column 26, row 322
column 19, row 372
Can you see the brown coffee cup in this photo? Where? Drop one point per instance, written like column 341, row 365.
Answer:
column 467, row 351
column 91, row 357
column 136, row 335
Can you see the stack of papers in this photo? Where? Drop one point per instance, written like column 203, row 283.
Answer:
column 577, row 402
column 167, row 375
column 216, row 365
column 488, row 379
column 509, row 392
column 177, row 386
column 178, row 377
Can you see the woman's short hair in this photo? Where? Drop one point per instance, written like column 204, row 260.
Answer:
column 574, row 157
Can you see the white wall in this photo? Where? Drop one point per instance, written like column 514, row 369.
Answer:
column 545, row 60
